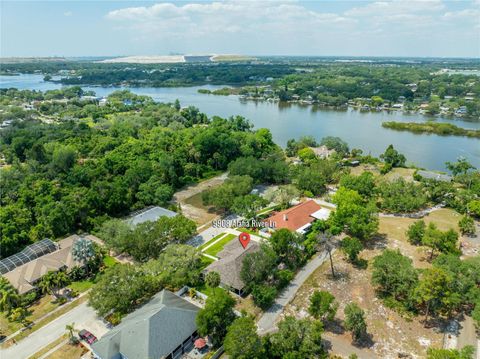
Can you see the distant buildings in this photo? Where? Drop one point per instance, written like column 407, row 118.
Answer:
column 151, row 214
column 162, row 328
column 322, row 151
column 300, row 217
column 230, row 265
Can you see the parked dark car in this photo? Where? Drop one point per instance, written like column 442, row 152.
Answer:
column 87, row 336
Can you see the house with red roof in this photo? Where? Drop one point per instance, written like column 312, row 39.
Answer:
column 299, row 218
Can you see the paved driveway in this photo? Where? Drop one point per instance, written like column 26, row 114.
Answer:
column 267, row 322
column 83, row 316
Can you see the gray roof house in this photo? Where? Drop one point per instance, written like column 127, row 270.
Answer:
column 434, row 176
column 149, row 214
column 162, row 328
column 230, row 264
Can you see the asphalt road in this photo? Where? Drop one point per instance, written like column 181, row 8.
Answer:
column 83, row 317
column 268, row 320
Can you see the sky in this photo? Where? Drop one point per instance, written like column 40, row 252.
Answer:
column 404, row 28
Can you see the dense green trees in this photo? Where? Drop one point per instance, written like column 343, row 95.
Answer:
column 69, row 175
column 394, row 275
column 449, row 286
column 216, row 316
column 363, row 184
column 392, row 158
column 419, row 233
column 242, row 340
column 355, row 321
column 401, row 196
column 120, row 289
column 353, row 215
column 146, row 240
column 123, row 287
column 322, row 305
column 296, row 339
column 352, row 248
column 467, row 225
column 416, row 232
column 270, row 170
column 224, row 196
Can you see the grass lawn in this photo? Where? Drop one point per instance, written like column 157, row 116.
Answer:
column 249, row 306
column 68, row 351
column 109, row 261
column 197, row 201
column 211, row 241
column 206, row 261
column 7, row 327
column 204, row 289
column 47, row 320
column 268, row 209
column 81, row 285
column 394, row 229
column 258, row 234
column 41, row 307
column 49, row 347
column 217, row 247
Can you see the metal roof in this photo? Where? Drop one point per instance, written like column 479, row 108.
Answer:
column 28, row 254
column 150, row 214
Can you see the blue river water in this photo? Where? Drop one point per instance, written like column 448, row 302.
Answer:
column 360, row 129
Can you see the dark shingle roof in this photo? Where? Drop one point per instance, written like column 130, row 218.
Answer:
column 230, row 263
column 152, row 331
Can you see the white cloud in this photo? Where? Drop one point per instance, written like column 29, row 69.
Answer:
column 284, row 26
column 195, row 20
column 67, row 13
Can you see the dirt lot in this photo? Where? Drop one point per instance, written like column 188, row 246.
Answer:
column 190, row 200
column 405, row 173
column 391, row 333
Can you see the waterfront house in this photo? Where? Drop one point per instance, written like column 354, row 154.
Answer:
column 322, row 151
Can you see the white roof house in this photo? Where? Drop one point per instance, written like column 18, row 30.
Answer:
column 151, row 214
column 322, row 214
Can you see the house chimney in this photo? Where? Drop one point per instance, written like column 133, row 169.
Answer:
column 285, row 217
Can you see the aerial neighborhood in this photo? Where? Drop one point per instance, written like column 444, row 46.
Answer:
column 206, row 205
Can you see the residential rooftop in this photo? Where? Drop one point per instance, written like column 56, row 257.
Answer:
column 230, row 263
column 151, row 214
column 24, row 277
column 297, row 218
column 155, row 330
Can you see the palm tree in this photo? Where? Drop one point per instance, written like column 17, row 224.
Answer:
column 47, row 283
column 60, row 280
column 9, row 298
column 83, row 250
column 70, row 328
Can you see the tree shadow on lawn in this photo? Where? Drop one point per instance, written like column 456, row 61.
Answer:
column 378, row 241
column 339, row 275
column 335, row 326
column 365, row 342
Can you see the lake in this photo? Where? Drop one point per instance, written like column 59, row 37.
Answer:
column 360, row 129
